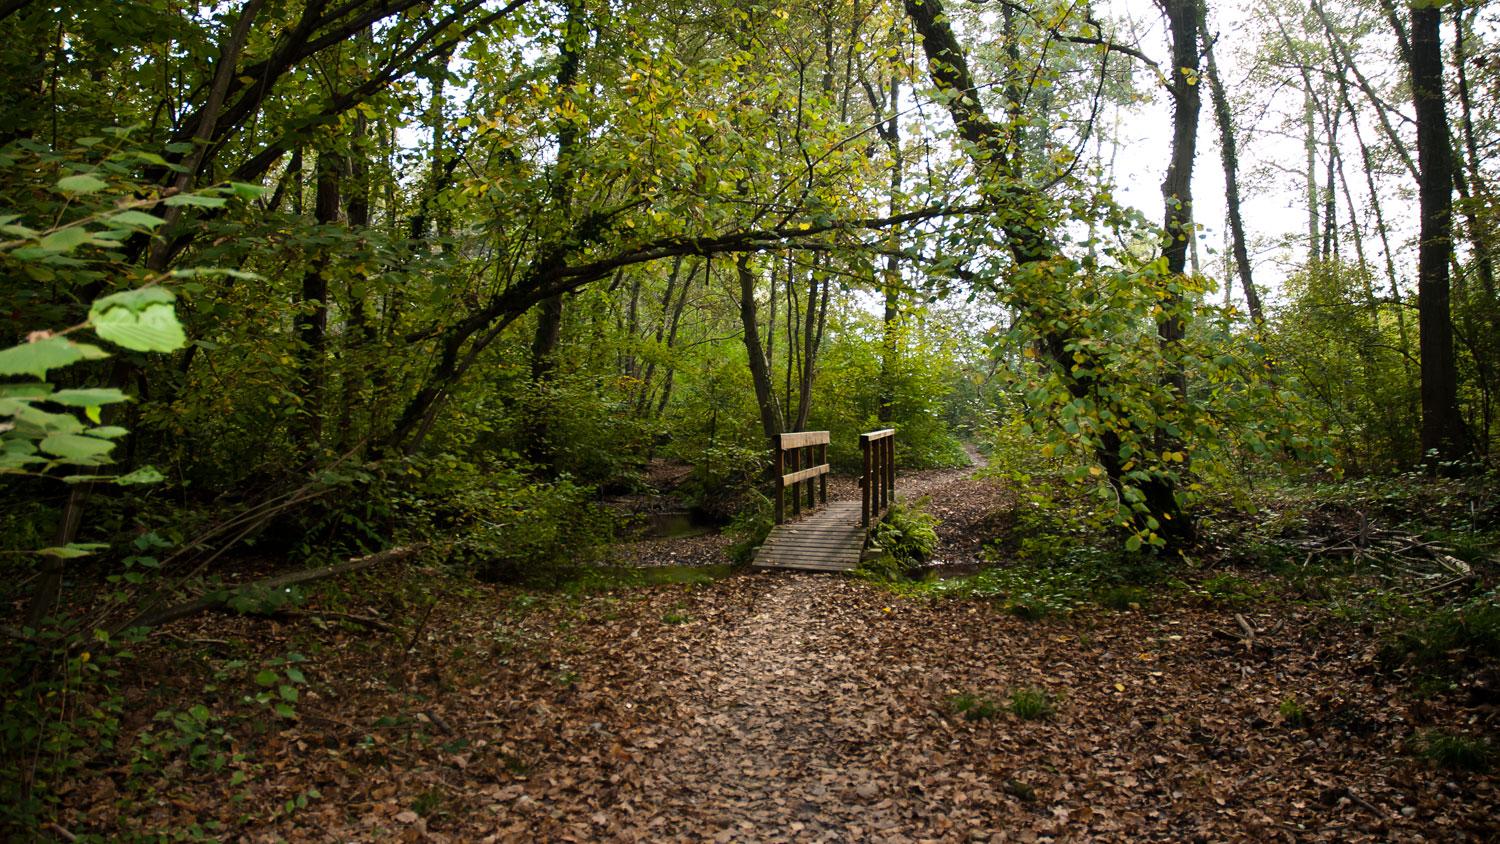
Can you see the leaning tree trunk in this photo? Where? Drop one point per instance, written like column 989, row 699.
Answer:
column 1229, row 154
column 989, row 146
column 760, row 370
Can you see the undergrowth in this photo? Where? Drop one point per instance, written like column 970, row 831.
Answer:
column 906, row 538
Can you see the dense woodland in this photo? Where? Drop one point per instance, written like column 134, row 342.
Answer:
column 297, row 294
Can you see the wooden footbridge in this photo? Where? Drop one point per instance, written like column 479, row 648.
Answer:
column 831, row 538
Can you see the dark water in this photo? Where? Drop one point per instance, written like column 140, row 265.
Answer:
column 676, row 524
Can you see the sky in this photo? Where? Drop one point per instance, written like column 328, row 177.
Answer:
column 1273, row 186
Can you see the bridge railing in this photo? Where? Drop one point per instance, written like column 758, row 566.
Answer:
column 878, row 481
column 792, row 452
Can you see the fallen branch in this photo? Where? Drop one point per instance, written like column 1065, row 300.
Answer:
column 220, row 597
column 367, row 621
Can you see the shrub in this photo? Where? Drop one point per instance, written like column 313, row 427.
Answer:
column 1446, row 638
column 906, row 538
column 750, row 527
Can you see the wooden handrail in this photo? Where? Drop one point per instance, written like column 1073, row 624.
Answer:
column 814, row 444
column 878, row 481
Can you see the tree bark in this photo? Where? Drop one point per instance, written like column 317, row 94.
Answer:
column 1443, row 434
column 989, row 146
column 312, row 320
column 1229, row 155
column 771, row 422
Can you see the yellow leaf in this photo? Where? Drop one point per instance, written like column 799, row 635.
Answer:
column 1119, row 687
column 1095, row 471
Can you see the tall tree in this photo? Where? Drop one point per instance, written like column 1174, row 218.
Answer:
column 1229, row 155
column 1443, row 433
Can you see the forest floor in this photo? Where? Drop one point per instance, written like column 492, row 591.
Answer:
column 786, row 708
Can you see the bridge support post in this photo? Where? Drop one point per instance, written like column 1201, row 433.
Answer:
column 780, row 469
column 878, row 479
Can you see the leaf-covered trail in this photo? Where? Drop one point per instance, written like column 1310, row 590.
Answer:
column 777, row 720
column 807, row 708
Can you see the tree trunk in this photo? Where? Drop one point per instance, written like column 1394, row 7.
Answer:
column 989, row 146
column 1443, row 433
column 760, row 371
column 1177, row 188
column 1229, row 155
column 312, row 320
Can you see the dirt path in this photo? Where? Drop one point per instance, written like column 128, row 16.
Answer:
column 771, row 745
column 807, row 708
column 775, row 737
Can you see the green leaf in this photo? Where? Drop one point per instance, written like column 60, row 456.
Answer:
column 108, row 432
column 210, row 272
column 247, row 191
column 136, row 300
column 136, row 218
column 73, row 549
column 143, row 475
column 288, row 693
column 77, row 448
column 285, row 711
column 88, row 398
column 65, row 240
column 51, row 423
column 294, row 674
column 196, row 200
column 82, row 183
column 49, row 353
column 266, row 677
column 153, row 328
column 1133, row 543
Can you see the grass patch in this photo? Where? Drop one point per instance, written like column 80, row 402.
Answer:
column 1031, row 704
column 1456, row 752
column 974, row 707
column 1443, row 641
column 1292, row 713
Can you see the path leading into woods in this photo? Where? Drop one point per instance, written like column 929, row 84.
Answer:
column 791, row 707
column 777, row 741
column 778, row 733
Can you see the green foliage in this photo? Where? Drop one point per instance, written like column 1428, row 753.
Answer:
column 1124, row 598
column 1444, row 640
column 853, row 378
column 908, row 533
column 750, row 527
column 509, row 526
column 54, row 706
column 974, row 707
column 1137, row 447
column 1456, row 752
column 1353, row 359
column 1031, row 704
column 1292, row 712
column 1229, row 590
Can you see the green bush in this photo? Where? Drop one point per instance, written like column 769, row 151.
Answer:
column 749, row 528
column 506, row 525
column 1444, row 640
column 906, row 538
